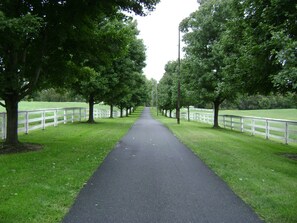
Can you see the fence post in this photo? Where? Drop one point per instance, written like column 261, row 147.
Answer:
column 43, row 120
column 72, row 116
column 286, row 132
column 241, row 123
column 267, row 129
column 4, row 126
column 253, row 127
column 26, row 122
column 55, row 118
column 80, row 114
column 65, row 116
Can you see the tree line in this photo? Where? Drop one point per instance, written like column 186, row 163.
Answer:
column 234, row 50
column 90, row 47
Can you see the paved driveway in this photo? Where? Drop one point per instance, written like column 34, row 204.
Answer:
column 151, row 177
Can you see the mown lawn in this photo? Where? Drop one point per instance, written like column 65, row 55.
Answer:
column 254, row 168
column 290, row 114
column 33, row 105
column 41, row 186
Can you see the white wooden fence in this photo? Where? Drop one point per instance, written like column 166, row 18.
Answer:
column 284, row 130
column 39, row 119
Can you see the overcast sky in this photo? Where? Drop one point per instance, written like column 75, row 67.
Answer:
column 159, row 31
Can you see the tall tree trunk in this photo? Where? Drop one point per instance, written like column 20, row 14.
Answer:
column 111, row 111
column 170, row 113
column 127, row 112
column 216, row 104
column 11, row 103
column 91, row 109
column 188, row 113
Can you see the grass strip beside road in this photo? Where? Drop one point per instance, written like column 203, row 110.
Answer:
column 253, row 167
column 41, row 186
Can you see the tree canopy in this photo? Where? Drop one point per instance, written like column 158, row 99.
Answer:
column 38, row 38
column 239, row 47
column 205, row 54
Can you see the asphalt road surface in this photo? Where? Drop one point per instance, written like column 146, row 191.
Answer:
column 151, row 177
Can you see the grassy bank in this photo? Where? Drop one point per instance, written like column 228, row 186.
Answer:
column 41, row 186
column 254, row 168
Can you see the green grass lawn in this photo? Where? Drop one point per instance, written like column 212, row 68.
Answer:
column 290, row 114
column 33, row 105
column 283, row 114
column 41, row 186
column 251, row 166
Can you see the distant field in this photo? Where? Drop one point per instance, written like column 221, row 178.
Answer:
column 290, row 114
column 26, row 105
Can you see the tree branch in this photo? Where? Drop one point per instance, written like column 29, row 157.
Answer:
column 28, row 88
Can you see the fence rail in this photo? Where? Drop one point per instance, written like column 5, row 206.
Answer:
column 284, row 130
column 39, row 119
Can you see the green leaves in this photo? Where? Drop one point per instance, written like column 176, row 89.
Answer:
column 108, row 67
column 39, row 38
column 19, row 30
column 269, row 29
column 206, row 49
column 286, row 55
column 250, row 44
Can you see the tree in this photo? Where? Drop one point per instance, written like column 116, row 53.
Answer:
column 286, row 55
column 110, row 40
column 240, row 47
column 33, row 35
column 167, row 93
column 55, row 95
column 266, row 38
column 139, row 91
column 124, row 77
column 168, row 87
column 89, row 84
column 205, row 53
column 17, row 38
column 151, row 92
column 189, row 94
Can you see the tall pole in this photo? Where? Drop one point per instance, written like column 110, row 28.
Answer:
column 178, row 82
column 157, row 98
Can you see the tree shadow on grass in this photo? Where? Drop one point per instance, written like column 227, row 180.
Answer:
column 292, row 156
column 20, row 148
